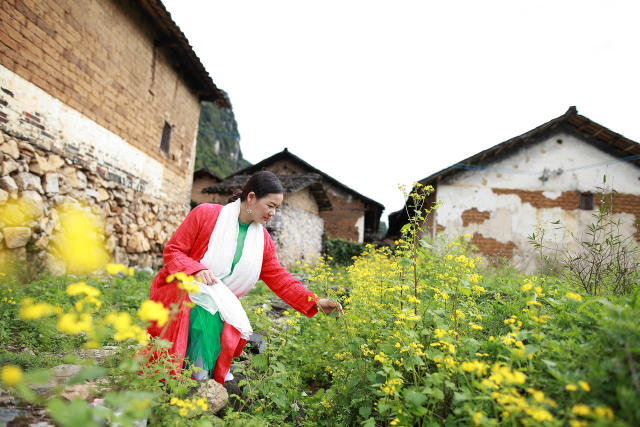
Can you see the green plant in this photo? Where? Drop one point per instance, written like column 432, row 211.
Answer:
column 342, row 251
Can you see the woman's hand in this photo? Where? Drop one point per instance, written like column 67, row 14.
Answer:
column 327, row 307
column 206, row 277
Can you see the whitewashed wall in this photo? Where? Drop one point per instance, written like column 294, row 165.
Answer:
column 510, row 219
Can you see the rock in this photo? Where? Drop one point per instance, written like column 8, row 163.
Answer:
column 82, row 391
column 82, row 179
column 51, row 182
column 8, row 184
column 27, row 181
column 120, row 198
column 216, row 394
column 28, row 351
column 55, row 266
column 70, row 176
column 46, row 225
column 8, row 166
column 55, row 162
column 102, row 195
column 26, row 146
column 137, row 243
column 42, row 242
column 4, row 196
column 91, row 193
column 111, row 244
column 256, row 344
column 7, row 415
column 39, row 165
column 10, row 148
column 148, row 232
column 16, row 237
column 32, row 205
column 132, row 228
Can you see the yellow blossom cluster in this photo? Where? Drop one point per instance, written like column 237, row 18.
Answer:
column 188, row 405
column 30, row 311
column 11, row 375
column 114, row 269
column 187, row 283
column 121, row 322
column 153, row 311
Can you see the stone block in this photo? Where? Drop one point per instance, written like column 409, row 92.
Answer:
column 8, row 166
column 55, row 162
column 27, row 181
column 10, row 148
column 103, row 195
column 4, row 196
column 16, row 237
column 137, row 243
column 55, row 266
column 39, row 165
column 32, row 205
column 216, row 395
column 70, row 176
column 51, row 182
column 8, row 184
column 26, row 146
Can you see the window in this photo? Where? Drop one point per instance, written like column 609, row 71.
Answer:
column 165, row 141
column 586, row 201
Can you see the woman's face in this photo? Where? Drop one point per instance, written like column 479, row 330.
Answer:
column 263, row 209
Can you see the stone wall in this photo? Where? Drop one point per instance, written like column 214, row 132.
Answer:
column 85, row 77
column 296, row 231
column 136, row 225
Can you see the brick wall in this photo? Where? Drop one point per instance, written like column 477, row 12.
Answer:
column 302, row 199
column 98, row 57
column 198, row 185
column 347, row 210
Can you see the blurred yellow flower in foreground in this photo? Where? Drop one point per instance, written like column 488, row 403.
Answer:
column 30, row 311
column 80, row 242
column 11, row 375
column 151, row 310
column 71, row 324
column 82, row 288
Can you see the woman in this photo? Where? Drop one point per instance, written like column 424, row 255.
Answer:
column 227, row 249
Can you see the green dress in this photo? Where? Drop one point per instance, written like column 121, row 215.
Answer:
column 203, row 345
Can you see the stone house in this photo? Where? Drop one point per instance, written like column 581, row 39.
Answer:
column 297, row 228
column 99, row 104
column 203, row 178
column 547, row 174
column 351, row 215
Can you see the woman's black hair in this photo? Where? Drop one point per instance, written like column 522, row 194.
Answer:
column 261, row 183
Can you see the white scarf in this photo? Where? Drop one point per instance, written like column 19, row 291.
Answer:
column 223, row 297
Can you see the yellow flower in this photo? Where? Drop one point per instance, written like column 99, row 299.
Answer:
column 69, row 323
column 574, row 296
column 82, row 288
column 114, row 269
column 30, row 311
column 477, row 418
column 183, row 412
column 581, row 409
column 11, row 375
column 151, row 310
column 527, row 287
column 571, row 387
column 585, row 386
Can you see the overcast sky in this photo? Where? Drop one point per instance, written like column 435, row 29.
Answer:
column 380, row 93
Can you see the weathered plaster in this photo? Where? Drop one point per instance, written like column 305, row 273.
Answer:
column 513, row 204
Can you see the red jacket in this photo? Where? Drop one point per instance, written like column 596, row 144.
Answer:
column 181, row 254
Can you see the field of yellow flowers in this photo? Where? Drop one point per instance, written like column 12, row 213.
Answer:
column 430, row 336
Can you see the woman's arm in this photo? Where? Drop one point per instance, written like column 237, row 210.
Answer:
column 177, row 251
column 280, row 281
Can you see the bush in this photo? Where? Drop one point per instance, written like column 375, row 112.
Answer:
column 341, row 251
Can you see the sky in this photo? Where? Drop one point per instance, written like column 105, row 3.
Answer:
column 381, row 93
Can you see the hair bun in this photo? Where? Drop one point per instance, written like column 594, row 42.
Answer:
column 235, row 196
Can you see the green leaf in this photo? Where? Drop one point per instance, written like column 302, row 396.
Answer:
column 416, row 399
column 372, row 377
column 405, row 228
column 365, row 411
column 406, row 262
column 260, row 361
column 424, row 244
column 87, row 373
column 39, row 377
column 438, row 394
column 465, row 291
column 352, row 382
column 203, row 422
column 371, row 422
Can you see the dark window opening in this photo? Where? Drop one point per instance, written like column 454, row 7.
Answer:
column 586, row 201
column 165, row 141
